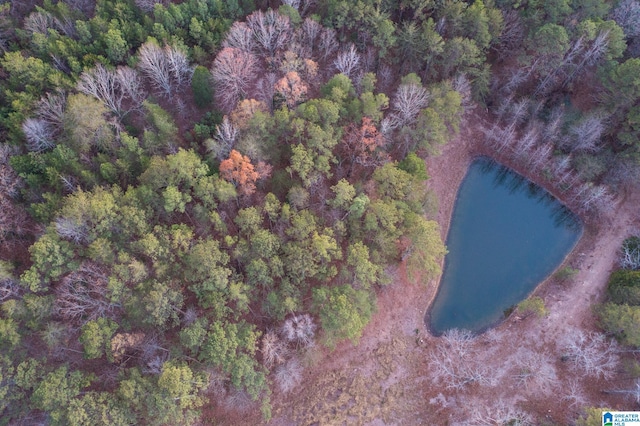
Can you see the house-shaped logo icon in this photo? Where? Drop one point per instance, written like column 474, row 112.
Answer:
column 607, row 419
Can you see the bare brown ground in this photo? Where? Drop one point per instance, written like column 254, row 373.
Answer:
column 387, row 379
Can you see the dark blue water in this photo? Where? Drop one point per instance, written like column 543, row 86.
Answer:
column 506, row 236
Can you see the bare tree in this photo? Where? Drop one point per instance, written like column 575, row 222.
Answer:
column 85, row 6
column 524, row 146
column 499, row 413
column 69, row 182
column 462, row 85
column 534, row 370
column 293, row 3
column 585, row 135
column 82, row 295
column 153, row 63
column 306, row 6
column 232, row 71
column 190, row 315
column 148, row 5
column 288, row 375
column 408, row 101
column 167, row 68
column 591, row 352
column 271, row 31
column 598, row 199
column 627, row 15
column 512, row 34
column 590, row 57
column 553, row 127
column 113, row 88
column 153, row 354
column 239, row 400
column 9, row 287
column 12, row 217
column 564, row 174
column 541, row 155
column 179, row 67
column 629, row 257
column 328, row 43
column 309, row 33
column 240, row 37
column 224, row 140
column 38, row 134
column 299, row 329
column 348, row 61
column 573, row 393
column 266, row 89
column 453, row 361
column 633, row 392
column 69, row 229
column 274, row 350
column 129, row 82
column 38, row 22
column 51, row 109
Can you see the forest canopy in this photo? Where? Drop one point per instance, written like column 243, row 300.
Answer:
column 194, row 194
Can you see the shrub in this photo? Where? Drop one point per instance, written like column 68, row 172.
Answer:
column 566, row 274
column 533, row 305
column 624, row 287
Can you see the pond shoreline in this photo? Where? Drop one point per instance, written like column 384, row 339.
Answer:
column 448, row 170
column 507, row 235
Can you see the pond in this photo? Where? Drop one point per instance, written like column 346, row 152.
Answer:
column 506, row 236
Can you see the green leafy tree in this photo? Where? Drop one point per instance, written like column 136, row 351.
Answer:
column 424, row 249
column 624, row 287
column 95, row 337
column 161, row 303
column 55, row 391
column 51, row 257
column 9, row 335
column 193, row 335
column 116, row 45
column 231, row 347
column 415, row 166
column 163, row 132
column 201, row 87
column 344, row 195
column 550, row 42
column 343, row 311
column 207, row 271
column 86, row 125
column 623, row 321
column 364, row 273
column 181, row 384
column 95, row 408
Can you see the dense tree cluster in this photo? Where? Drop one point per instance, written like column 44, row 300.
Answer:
column 180, row 250
column 209, row 188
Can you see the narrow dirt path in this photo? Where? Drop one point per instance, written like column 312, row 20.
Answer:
column 597, row 257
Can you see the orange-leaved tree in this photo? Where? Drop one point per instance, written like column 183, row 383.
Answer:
column 239, row 170
column 363, row 144
column 292, row 88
